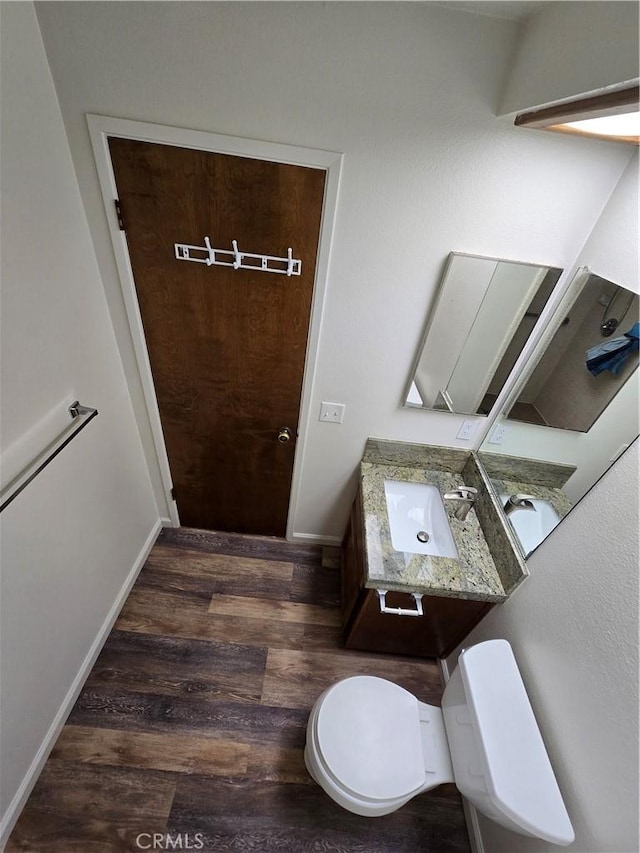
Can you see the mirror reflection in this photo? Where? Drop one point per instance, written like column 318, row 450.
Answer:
column 592, row 354
column 577, row 410
column 484, row 312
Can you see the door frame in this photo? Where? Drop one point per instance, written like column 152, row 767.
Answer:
column 100, row 128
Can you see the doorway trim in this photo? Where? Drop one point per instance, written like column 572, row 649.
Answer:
column 100, row 128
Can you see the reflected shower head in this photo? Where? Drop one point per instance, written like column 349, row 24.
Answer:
column 608, row 327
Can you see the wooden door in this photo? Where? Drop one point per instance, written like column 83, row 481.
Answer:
column 226, row 346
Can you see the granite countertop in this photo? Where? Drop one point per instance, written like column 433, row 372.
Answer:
column 473, row 575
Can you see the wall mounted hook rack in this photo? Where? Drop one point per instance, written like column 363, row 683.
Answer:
column 238, row 260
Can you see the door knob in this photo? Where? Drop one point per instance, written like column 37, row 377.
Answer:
column 284, row 434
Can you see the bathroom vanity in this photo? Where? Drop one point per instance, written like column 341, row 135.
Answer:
column 418, row 575
column 424, row 598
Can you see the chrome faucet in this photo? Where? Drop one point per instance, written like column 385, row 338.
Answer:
column 519, row 502
column 464, row 498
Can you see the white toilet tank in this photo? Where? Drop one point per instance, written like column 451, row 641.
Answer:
column 499, row 759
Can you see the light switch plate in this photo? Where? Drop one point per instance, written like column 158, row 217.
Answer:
column 331, row 413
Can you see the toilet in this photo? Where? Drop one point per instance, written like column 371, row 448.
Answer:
column 372, row 746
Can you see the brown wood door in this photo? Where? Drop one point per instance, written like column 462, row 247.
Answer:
column 226, row 346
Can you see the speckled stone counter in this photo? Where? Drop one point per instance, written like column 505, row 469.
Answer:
column 407, row 455
column 533, row 472
column 489, row 565
column 472, row 575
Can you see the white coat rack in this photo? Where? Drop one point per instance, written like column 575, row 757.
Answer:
column 238, row 260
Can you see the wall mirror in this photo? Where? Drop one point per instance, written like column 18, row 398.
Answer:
column 484, row 312
column 586, row 363
column 573, row 411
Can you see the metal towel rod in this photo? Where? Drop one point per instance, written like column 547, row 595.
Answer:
column 80, row 417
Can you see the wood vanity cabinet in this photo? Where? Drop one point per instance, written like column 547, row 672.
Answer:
column 445, row 623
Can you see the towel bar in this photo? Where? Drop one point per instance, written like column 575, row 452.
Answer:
column 80, row 417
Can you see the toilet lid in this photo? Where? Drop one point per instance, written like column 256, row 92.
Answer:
column 368, row 733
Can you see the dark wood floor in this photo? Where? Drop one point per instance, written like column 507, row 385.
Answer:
column 193, row 718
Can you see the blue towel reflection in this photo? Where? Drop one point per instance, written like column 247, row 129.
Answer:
column 611, row 355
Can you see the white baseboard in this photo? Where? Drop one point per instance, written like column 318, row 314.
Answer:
column 470, row 813
column 31, row 777
column 473, row 827
column 444, row 670
column 315, row 539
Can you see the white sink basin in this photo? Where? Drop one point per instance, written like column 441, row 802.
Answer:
column 417, row 508
column 532, row 527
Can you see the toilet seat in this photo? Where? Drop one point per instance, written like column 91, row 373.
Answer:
column 367, row 735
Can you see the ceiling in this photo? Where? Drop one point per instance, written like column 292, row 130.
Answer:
column 513, row 10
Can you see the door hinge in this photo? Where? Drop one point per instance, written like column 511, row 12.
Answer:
column 119, row 214
column 173, row 493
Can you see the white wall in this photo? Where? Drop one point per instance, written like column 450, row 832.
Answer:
column 574, row 623
column 573, row 626
column 570, row 49
column 72, row 538
column 612, row 248
column 408, row 91
column 610, row 251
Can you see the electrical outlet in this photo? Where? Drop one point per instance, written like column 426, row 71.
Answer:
column 497, row 436
column 332, row 413
column 467, row 430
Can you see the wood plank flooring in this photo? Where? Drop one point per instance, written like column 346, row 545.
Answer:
column 192, row 721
